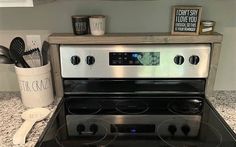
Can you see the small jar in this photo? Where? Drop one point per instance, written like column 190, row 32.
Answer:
column 207, row 27
column 80, row 24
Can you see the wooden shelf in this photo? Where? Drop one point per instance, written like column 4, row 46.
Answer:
column 133, row 38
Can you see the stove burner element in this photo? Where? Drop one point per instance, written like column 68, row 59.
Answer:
column 83, row 108
column 180, row 134
column 186, row 107
column 132, row 107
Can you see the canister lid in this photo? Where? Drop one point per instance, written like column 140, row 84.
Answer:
column 97, row 16
column 208, row 23
column 80, row 16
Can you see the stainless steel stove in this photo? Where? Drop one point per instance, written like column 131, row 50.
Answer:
column 136, row 95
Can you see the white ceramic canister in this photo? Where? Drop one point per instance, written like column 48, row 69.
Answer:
column 97, row 24
column 35, row 85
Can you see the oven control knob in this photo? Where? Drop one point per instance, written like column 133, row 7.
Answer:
column 80, row 128
column 172, row 129
column 179, row 60
column 90, row 60
column 194, row 60
column 93, row 128
column 185, row 129
column 75, row 60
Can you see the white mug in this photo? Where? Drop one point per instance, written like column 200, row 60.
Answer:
column 97, row 24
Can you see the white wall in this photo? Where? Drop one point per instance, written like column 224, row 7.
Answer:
column 131, row 16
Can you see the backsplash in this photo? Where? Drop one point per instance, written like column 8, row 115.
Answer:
column 7, row 35
column 8, row 78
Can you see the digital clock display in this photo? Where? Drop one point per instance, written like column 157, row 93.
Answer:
column 134, row 58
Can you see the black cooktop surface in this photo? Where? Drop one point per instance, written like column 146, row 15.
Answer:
column 213, row 131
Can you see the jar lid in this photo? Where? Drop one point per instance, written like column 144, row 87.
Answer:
column 80, row 16
column 208, row 23
column 97, row 16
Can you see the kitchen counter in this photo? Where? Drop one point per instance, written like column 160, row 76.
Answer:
column 11, row 109
column 225, row 104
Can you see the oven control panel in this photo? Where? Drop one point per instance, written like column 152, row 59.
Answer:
column 135, row 61
column 134, row 58
column 161, row 125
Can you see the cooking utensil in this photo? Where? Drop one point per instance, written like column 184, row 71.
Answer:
column 17, row 48
column 30, row 116
column 4, row 51
column 35, row 56
column 5, row 60
column 5, row 55
column 45, row 49
column 32, row 57
column 40, row 57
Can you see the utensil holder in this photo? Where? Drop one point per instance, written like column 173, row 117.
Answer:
column 35, row 85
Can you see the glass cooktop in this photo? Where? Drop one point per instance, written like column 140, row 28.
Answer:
column 127, row 126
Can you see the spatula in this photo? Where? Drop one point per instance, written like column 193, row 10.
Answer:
column 17, row 49
column 30, row 116
column 45, row 48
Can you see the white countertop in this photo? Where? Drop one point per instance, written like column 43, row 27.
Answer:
column 225, row 104
column 11, row 109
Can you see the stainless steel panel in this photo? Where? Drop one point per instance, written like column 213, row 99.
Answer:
column 166, row 69
column 162, row 121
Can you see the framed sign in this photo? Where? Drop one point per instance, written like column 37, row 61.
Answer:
column 186, row 20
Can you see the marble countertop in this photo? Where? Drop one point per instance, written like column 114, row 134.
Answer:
column 11, row 109
column 225, row 104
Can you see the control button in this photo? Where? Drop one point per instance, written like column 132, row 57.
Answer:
column 154, row 63
column 185, row 129
column 90, row 60
column 80, row 128
column 194, row 60
column 114, row 63
column 179, row 59
column 93, row 128
column 172, row 129
column 75, row 60
column 131, row 62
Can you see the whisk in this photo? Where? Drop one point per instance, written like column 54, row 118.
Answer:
column 35, row 57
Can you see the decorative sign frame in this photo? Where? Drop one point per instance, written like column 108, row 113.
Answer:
column 186, row 20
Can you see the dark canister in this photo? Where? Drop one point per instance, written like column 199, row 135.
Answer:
column 80, row 24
